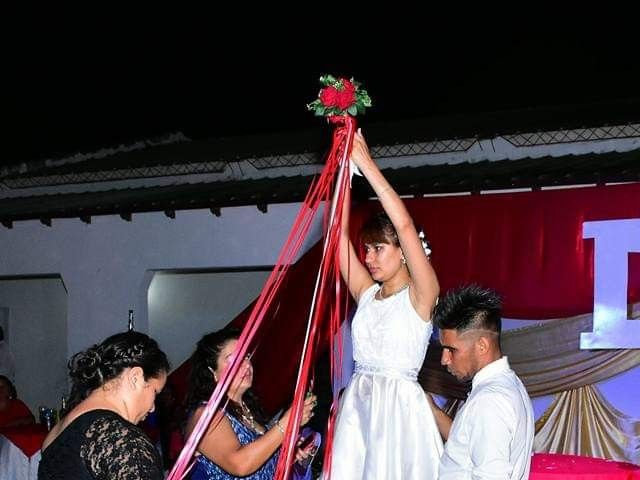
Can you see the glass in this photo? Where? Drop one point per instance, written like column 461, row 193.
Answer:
column 48, row 417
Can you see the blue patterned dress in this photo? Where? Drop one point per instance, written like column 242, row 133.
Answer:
column 205, row 469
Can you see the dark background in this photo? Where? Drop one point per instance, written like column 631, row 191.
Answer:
column 81, row 82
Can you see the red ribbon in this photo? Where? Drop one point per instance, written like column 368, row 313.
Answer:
column 325, row 189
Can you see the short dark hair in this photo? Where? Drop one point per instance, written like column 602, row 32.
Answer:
column 469, row 307
column 379, row 229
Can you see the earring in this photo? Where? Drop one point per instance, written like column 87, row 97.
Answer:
column 404, row 260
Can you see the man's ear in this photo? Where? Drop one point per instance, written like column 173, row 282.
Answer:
column 482, row 344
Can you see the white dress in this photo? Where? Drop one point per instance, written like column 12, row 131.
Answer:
column 385, row 428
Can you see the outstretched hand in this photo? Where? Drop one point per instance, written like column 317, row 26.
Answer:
column 310, row 403
column 360, row 155
column 307, row 410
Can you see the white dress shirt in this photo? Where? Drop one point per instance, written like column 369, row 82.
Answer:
column 492, row 434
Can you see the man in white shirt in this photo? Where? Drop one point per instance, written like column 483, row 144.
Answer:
column 7, row 363
column 492, row 434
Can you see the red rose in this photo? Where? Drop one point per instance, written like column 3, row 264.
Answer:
column 329, row 96
column 347, row 85
column 346, row 98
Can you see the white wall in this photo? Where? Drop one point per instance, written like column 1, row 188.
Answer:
column 38, row 338
column 105, row 264
column 108, row 265
column 186, row 306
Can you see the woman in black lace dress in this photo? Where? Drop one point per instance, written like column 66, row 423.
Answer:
column 114, row 387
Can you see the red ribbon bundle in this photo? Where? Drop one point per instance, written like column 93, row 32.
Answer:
column 329, row 188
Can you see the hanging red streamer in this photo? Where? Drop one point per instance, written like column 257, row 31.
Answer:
column 326, row 312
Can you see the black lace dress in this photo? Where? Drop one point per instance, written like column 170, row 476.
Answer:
column 100, row 444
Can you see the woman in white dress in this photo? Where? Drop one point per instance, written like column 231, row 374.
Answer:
column 385, row 428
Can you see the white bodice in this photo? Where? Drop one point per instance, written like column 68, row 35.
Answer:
column 389, row 333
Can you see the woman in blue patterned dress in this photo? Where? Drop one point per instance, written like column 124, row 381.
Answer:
column 240, row 445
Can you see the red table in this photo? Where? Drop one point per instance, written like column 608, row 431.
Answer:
column 20, row 451
column 548, row 466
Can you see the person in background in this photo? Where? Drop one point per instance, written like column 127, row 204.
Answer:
column 7, row 362
column 114, row 386
column 241, row 444
column 13, row 412
column 492, row 434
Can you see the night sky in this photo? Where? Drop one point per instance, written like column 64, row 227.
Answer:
column 82, row 86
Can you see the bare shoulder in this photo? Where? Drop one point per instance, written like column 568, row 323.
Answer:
column 219, row 424
column 193, row 419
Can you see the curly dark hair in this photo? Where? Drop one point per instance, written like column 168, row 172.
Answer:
column 202, row 382
column 469, row 307
column 95, row 366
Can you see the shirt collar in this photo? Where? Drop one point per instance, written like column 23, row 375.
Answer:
column 491, row 370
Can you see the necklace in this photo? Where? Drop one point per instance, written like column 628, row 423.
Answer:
column 247, row 416
column 383, row 296
column 248, row 419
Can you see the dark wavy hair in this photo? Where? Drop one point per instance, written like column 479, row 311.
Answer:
column 103, row 362
column 202, row 383
column 12, row 388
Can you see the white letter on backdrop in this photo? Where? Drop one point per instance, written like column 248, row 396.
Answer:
column 613, row 241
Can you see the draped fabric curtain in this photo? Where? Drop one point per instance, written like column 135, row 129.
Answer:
column 548, row 358
column 582, row 422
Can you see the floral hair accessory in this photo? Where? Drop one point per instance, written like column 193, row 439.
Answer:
column 425, row 243
column 339, row 96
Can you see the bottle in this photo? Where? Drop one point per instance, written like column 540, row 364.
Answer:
column 49, row 418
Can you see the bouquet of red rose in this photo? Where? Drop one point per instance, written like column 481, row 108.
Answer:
column 340, row 96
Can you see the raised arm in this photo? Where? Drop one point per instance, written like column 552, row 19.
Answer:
column 353, row 271
column 425, row 287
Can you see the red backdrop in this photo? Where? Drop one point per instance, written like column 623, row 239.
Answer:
column 528, row 246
